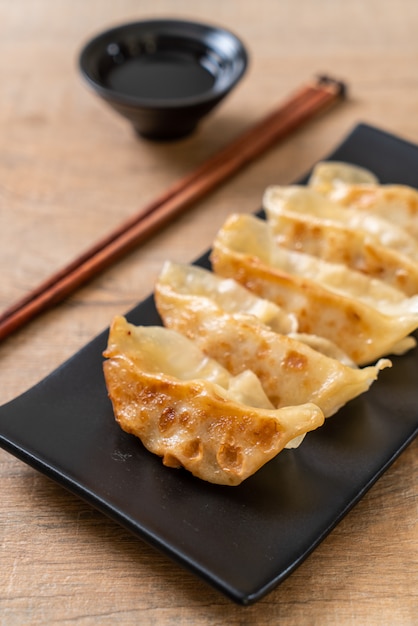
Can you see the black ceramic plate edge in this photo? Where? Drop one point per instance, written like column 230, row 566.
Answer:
column 64, row 428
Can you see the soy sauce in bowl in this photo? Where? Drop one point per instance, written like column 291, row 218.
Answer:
column 164, row 75
column 160, row 76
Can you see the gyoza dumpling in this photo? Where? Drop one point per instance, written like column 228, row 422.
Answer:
column 304, row 220
column 327, row 175
column 290, row 371
column 386, row 233
column 365, row 317
column 188, row 409
column 396, row 203
column 229, row 296
column 225, row 293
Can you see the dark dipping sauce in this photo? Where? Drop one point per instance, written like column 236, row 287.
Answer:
column 164, row 76
column 160, row 76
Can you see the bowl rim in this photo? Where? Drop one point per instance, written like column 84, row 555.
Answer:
column 163, row 24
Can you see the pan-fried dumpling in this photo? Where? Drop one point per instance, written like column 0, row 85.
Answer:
column 324, row 346
column 304, row 220
column 365, row 317
column 290, row 371
column 384, row 232
column 188, row 409
column 327, row 175
column 217, row 293
column 396, row 203
column 225, row 293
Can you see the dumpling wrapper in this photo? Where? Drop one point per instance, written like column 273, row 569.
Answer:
column 326, row 175
column 188, row 409
column 385, row 232
column 365, row 317
column 227, row 294
column 304, row 220
column 395, row 203
column 290, row 371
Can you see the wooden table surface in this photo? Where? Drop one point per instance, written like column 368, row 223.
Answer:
column 70, row 170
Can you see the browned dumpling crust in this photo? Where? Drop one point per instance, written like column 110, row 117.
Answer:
column 366, row 318
column 358, row 189
column 289, row 370
column 195, row 423
column 256, row 353
column 303, row 220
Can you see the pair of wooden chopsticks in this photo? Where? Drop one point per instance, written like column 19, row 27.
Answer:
column 306, row 102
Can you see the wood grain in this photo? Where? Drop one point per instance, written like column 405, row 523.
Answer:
column 70, row 171
column 306, row 103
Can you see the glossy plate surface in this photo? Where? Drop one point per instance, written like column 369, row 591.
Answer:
column 242, row 540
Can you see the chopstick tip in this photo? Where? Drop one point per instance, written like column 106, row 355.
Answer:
column 339, row 86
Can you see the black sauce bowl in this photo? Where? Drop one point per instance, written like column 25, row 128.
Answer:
column 164, row 76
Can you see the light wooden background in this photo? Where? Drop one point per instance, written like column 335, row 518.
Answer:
column 70, row 170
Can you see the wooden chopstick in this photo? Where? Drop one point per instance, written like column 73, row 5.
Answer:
column 308, row 101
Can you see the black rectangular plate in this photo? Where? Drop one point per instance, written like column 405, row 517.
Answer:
column 242, row 540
